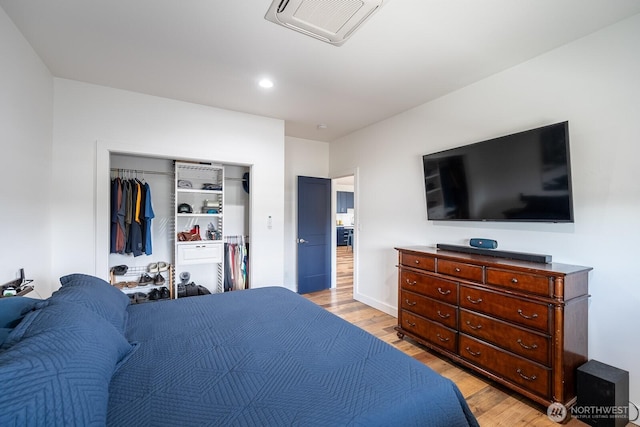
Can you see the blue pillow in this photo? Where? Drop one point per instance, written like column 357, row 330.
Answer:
column 12, row 310
column 58, row 366
column 96, row 295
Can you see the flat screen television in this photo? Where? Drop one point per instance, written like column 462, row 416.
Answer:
column 524, row 177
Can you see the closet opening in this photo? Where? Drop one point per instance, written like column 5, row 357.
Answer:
column 193, row 238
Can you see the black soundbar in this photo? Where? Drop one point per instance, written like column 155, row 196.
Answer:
column 520, row 256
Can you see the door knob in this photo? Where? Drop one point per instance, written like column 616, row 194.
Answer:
column 302, row 241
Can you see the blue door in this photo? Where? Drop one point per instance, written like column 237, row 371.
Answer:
column 314, row 234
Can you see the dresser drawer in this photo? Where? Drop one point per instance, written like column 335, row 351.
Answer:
column 431, row 309
column 418, row 261
column 523, row 282
column 429, row 331
column 461, row 270
column 434, row 287
column 526, row 313
column 199, row 252
column 527, row 374
column 522, row 342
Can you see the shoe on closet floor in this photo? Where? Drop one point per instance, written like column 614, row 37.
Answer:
column 119, row 270
column 141, row 297
column 145, row 279
column 154, row 295
column 164, row 293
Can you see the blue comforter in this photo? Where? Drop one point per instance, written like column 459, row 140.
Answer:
column 268, row 357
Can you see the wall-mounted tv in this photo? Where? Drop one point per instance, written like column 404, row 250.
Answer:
column 523, row 177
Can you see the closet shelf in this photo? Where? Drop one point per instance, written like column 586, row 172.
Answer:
column 196, row 242
column 197, row 191
column 198, row 215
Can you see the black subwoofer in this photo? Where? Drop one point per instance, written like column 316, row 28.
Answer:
column 603, row 395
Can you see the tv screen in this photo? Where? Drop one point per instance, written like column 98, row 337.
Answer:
column 525, row 176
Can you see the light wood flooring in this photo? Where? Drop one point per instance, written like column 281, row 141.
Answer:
column 492, row 404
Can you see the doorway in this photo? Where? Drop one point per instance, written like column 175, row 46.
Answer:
column 345, row 226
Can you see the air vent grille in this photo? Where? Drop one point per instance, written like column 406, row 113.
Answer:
column 328, row 15
column 332, row 21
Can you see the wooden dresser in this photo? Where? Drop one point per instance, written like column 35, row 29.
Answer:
column 519, row 323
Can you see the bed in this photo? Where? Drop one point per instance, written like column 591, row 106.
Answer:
column 259, row 357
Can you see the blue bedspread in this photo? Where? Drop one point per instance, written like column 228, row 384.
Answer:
column 269, row 357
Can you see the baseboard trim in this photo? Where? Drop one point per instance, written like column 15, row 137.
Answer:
column 378, row 305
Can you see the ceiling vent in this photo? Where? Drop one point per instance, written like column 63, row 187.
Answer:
column 332, row 21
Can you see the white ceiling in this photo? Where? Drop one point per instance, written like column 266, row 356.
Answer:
column 213, row 52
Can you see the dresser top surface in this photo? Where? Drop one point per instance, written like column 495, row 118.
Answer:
column 497, row 262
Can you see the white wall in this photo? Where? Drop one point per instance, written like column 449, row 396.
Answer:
column 594, row 84
column 26, row 121
column 304, row 157
column 92, row 121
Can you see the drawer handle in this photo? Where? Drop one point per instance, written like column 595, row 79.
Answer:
column 417, row 261
column 410, row 283
column 444, row 316
column 412, row 324
column 531, row 378
column 474, row 301
column 526, row 347
column 473, row 353
column 514, row 280
column 533, row 316
column 411, row 303
column 441, row 338
column 457, row 269
column 447, row 292
column 473, row 327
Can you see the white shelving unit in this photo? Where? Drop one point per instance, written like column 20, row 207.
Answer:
column 199, row 210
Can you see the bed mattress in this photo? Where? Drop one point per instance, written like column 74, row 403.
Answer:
column 267, row 357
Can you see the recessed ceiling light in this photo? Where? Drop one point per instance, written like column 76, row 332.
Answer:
column 322, row 126
column 265, row 83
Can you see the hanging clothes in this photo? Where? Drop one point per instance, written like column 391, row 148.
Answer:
column 128, row 216
column 135, row 234
column 228, row 281
column 245, row 265
column 236, row 260
column 121, row 238
column 117, row 240
column 114, row 215
column 143, row 230
column 131, row 217
column 240, row 265
column 148, row 216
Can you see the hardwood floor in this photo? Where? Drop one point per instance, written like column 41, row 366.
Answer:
column 492, row 404
column 344, row 273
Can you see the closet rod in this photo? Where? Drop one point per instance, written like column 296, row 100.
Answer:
column 141, row 171
column 228, row 178
column 236, row 237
